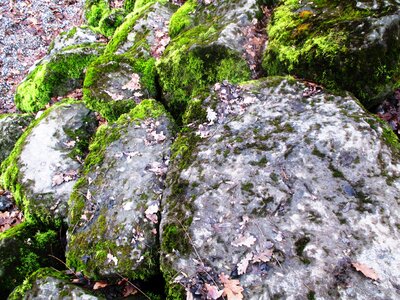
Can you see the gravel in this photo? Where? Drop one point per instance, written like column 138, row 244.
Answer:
column 27, row 28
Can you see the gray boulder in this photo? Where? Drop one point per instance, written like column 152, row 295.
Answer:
column 282, row 192
column 114, row 216
column 44, row 165
column 48, row 283
column 11, row 128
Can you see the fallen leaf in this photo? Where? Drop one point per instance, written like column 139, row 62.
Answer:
column 213, row 292
column 189, row 295
column 242, row 240
column 129, row 290
column 244, row 263
column 133, row 84
column 263, row 256
column 111, row 258
column 367, row 271
column 232, row 288
column 100, row 285
column 57, row 179
column 211, row 115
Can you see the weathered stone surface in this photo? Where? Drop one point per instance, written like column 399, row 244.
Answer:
column 59, row 72
column 114, row 207
column 210, row 43
column 287, row 193
column 24, row 249
column 350, row 45
column 126, row 74
column 47, row 284
column 44, row 165
column 11, row 128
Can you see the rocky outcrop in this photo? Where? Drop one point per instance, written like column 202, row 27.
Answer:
column 115, row 206
column 44, row 164
column 59, row 72
column 290, row 195
column 344, row 45
column 47, row 283
column 11, row 128
column 125, row 74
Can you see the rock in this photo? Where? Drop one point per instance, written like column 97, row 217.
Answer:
column 48, row 283
column 6, row 203
column 353, row 46
column 126, row 74
column 44, row 165
column 288, row 190
column 25, row 248
column 113, row 221
column 11, row 128
column 59, row 72
column 211, row 42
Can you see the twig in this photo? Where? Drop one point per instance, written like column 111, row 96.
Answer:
column 63, row 264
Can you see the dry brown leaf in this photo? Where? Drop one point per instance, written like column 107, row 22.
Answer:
column 263, row 256
column 244, row 263
column 232, row 288
column 100, row 285
column 213, row 292
column 129, row 290
column 242, row 240
column 367, row 271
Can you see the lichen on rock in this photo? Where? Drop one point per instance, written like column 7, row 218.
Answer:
column 286, row 193
column 12, row 127
column 61, row 71
column 344, row 45
column 115, row 206
column 44, row 164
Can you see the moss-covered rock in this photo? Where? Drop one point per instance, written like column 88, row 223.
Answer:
column 44, row 165
column 208, row 45
column 125, row 74
column 60, row 71
column 283, row 192
column 350, row 45
column 47, row 283
column 24, row 249
column 12, row 127
column 114, row 215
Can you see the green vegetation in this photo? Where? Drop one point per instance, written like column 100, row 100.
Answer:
column 25, row 248
column 320, row 41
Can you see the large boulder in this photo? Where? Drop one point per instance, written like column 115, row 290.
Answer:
column 211, row 41
column 282, row 192
column 345, row 45
column 12, row 126
column 48, row 283
column 126, row 74
column 24, row 249
column 114, row 216
column 59, row 72
column 44, row 165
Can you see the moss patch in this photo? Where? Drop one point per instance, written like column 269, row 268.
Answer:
column 62, row 73
column 325, row 41
column 26, row 248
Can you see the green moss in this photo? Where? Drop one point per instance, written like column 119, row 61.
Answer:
column 322, row 41
column 190, row 65
column 25, row 248
column 300, row 244
column 181, row 19
column 61, row 74
column 94, row 93
column 95, row 10
column 318, row 153
column 335, row 172
column 110, row 22
column 311, row 295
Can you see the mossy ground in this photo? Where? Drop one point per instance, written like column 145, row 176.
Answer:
column 62, row 73
column 26, row 248
column 324, row 41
